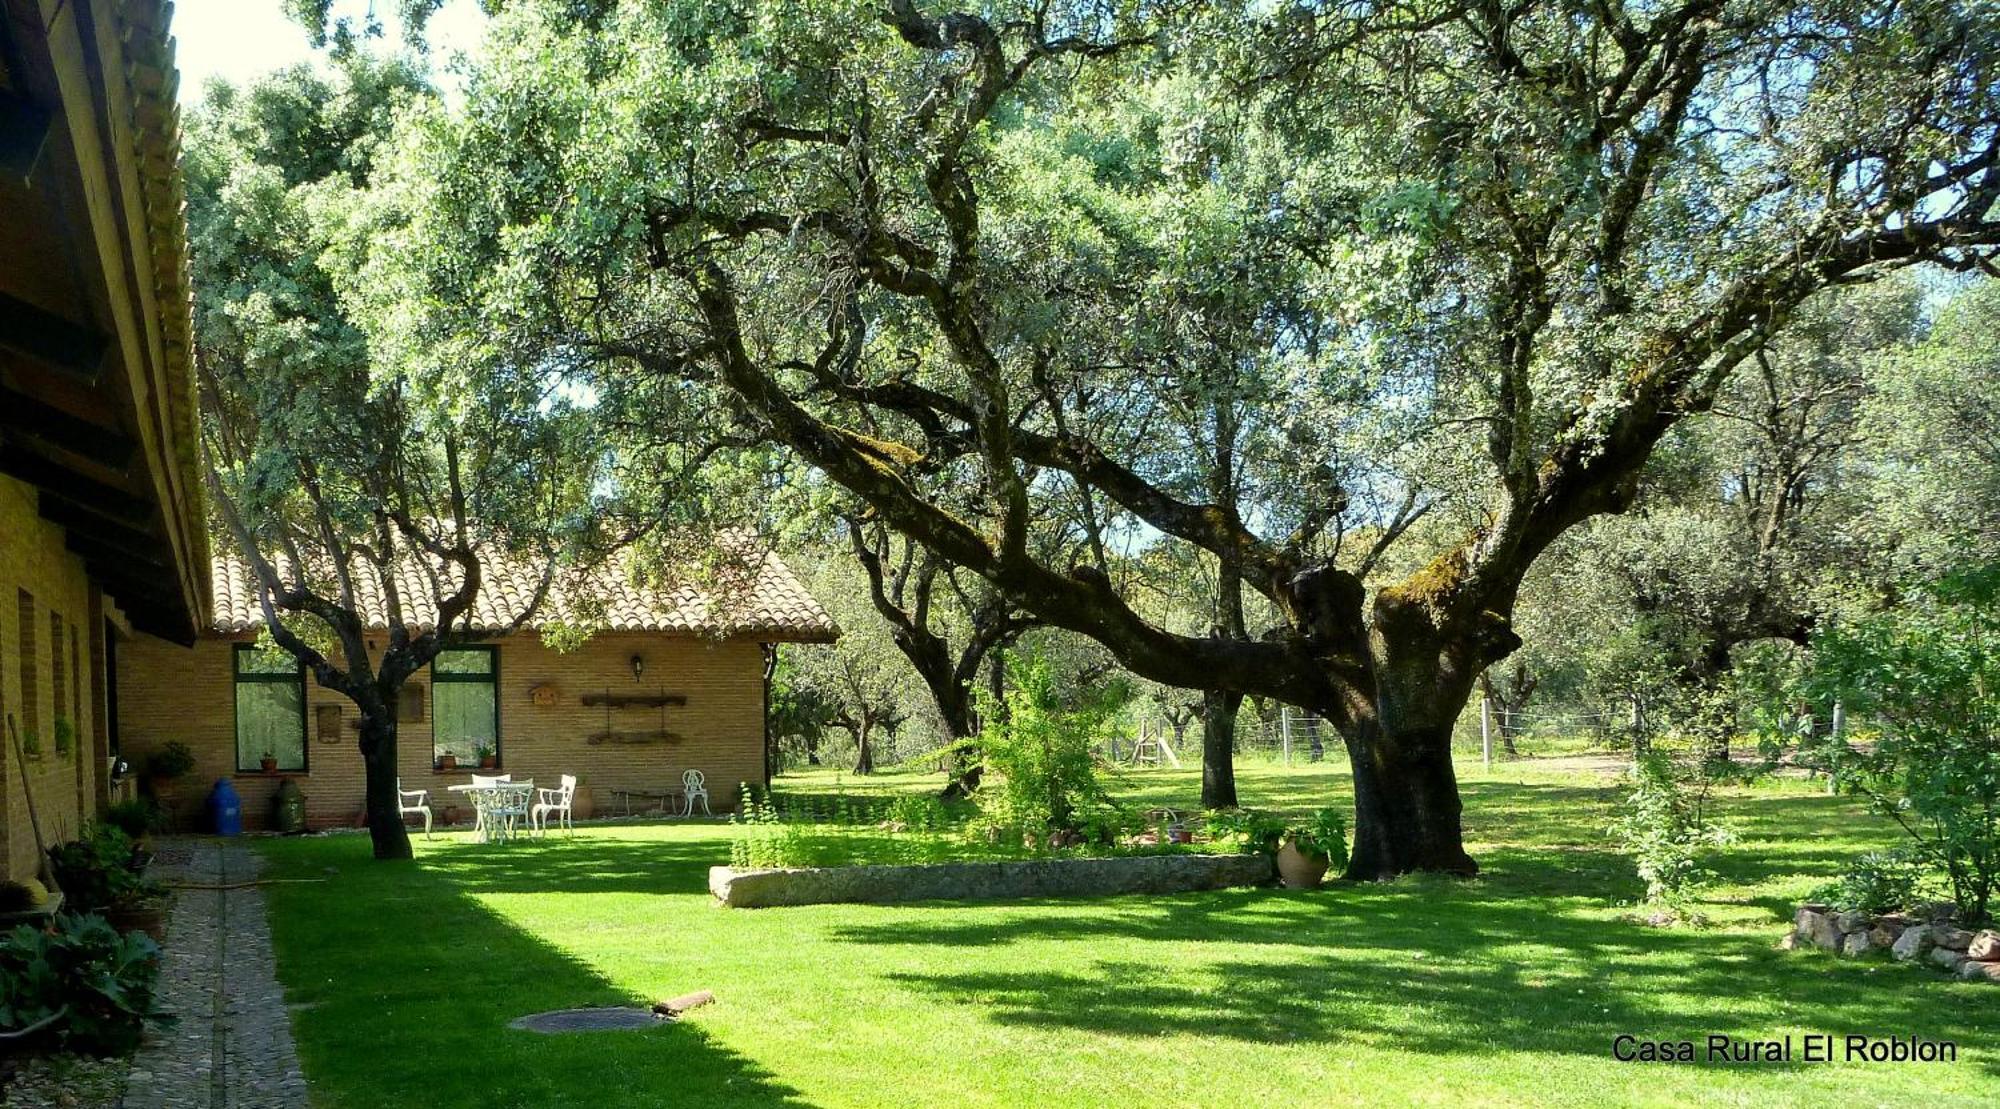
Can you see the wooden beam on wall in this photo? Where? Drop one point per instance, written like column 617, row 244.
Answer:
column 52, row 340
column 59, row 427
column 79, row 519
column 46, row 473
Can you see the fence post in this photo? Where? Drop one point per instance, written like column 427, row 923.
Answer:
column 1285, row 732
column 1486, row 731
column 1840, row 737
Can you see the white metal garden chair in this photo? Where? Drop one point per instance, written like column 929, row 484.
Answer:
column 694, row 784
column 556, row 803
column 410, row 802
column 484, row 782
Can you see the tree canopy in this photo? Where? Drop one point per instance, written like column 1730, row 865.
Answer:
column 1267, row 281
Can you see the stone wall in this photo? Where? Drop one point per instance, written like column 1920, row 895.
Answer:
column 167, row 692
column 1927, row 935
column 758, row 889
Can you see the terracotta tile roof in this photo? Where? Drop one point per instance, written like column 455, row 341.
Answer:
column 767, row 604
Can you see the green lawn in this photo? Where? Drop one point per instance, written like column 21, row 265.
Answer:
column 1507, row 990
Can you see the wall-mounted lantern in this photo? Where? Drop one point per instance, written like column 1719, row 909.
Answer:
column 638, row 667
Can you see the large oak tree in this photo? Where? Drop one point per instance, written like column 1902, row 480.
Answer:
column 1465, row 258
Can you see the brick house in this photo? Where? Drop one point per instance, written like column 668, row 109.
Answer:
column 101, row 526
column 671, row 680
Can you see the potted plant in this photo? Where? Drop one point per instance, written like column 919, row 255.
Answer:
column 64, row 731
column 164, row 768
column 269, row 763
column 31, row 744
column 1306, row 851
column 487, row 758
column 447, row 761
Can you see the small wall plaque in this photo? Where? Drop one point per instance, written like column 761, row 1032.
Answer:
column 543, row 695
column 326, row 723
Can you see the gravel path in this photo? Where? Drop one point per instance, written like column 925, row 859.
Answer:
column 232, row 1047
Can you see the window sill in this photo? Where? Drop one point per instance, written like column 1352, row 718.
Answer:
column 259, row 772
column 438, row 771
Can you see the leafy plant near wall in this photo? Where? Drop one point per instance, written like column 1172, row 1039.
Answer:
column 173, row 759
column 65, row 736
column 87, row 986
column 31, row 743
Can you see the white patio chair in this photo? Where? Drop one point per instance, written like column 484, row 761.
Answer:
column 412, row 801
column 693, row 785
column 511, row 804
column 556, row 803
column 483, row 781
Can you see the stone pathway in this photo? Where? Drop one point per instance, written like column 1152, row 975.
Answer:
column 232, row 1046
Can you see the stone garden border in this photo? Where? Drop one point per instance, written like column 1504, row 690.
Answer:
column 1927, row 935
column 759, row 889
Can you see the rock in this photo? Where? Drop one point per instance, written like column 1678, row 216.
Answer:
column 1913, row 943
column 1823, row 932
column 1884, row 935
column 1985, row 947
column 1790, row 942
column 1850, row 922
column 1948, row 959
column 1972, row 970
column 1815, row 907
column 1857, row 944
column 1944, row 935
column 1895, row 922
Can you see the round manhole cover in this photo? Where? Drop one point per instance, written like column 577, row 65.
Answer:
column 586, row 1020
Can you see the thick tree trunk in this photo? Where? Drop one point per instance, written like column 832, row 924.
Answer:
column 1218, row 749
column 812, row 750
column 1406, row 807
column 378, row 758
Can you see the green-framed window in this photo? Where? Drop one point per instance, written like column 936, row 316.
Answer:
column 465, row 704
column 270, row 708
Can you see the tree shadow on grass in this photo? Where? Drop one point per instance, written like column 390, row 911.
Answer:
column 402, row 985
column 1426, row 968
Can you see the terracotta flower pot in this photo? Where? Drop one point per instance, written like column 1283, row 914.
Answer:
column 1298, row 870
column 447, row 762
column 488, row 763
column 270, row 766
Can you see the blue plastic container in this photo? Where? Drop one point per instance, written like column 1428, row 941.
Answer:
column 225, row 809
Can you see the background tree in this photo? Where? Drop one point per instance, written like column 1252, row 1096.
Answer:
column 1518, row 244
column 347, row 487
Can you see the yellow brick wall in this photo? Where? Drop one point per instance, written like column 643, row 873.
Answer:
column 33, row 558
column 167, row 692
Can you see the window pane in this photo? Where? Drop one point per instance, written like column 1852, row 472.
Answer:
column 463, row 662
column 265, row 660
column 270, row 720
column 463, row 719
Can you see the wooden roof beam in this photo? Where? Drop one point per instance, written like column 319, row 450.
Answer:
column 52, row 340
column 59, row 427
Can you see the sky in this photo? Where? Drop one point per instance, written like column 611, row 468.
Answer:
column 239, row 40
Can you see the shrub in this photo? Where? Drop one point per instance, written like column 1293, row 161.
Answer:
column 1041, row 750
column 96, row 872
column 135, row 818
column 1878, row 882
column 1665, row 829
column 172, row 760
column 1928, row 672
column 64, row 731
column 1245, row 830
column 99, row 980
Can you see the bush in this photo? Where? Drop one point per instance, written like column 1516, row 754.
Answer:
column 1878, row 882
column 96, row 872
column 1665, row 829
column 1042, row 752
column 1929, row 673
column 172, row 760
column 1244, row 830
column 136, row 818
column 99, row 980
